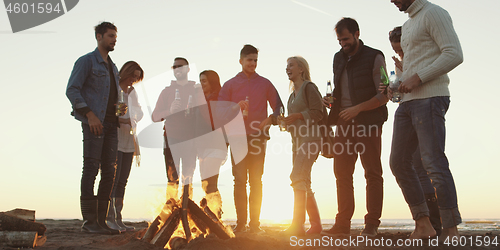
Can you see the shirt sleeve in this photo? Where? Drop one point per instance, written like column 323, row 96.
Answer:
column 379, row 62
column 440, row 27
column 81, row 69
column 315, row 104
column 274, row 100
column 162, row 108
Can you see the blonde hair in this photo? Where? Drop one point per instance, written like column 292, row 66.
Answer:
column 128, row 70
column 302, row 63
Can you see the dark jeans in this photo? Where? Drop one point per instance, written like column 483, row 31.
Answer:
column 425, row 182
column 364, row 140
column 123, row 166
column 421, row 124
column 99, row 152
column 250, row 169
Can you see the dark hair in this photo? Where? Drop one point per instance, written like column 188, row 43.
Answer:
column 103, row 27
column 181, row 58
column 213, row 80
column 129, row 68
column 247, row 50
column 395, row 35
column 347, row 23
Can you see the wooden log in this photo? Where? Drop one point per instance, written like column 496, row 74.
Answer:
column 159, row 221
column 18, row 239
column 214, row 217
column 40, row 240
column 22, row 213
column 217, row 229
column 12, row 223
column 163, row 236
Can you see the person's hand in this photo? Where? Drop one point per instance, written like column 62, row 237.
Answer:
column 397, row 63
column 349, row 113
column 243, row 105
column 326, row 103
column 409, row 84
column 175, row 106
column 266, row 124
column 384, row 89
column 123, row 108
column 293, row 117
column 94, row 123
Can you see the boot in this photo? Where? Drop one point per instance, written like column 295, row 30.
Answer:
column 111, row 218
column 313, row 213
column 119, row 207
column 102, row 213
column 434, row 217
column 299, row 214
column 89, row 214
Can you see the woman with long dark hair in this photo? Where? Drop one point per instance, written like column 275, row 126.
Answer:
column 211, row 155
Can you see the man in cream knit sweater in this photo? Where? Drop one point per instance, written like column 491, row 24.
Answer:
column 432, row 49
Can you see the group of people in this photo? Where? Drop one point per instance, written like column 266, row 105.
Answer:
column 428, row 48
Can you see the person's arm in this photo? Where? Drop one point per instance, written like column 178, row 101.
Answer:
column 378, row 100
column 81, row 70
column 440, row 27
column 315, row 106
column 162, row 108
column 274, row 100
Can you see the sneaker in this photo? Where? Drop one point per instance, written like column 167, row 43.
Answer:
column 256, row 230
column 240, row 229
column 337, row 230
column 370, row 230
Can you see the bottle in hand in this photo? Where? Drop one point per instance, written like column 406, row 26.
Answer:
column 120, row 105
column 329, row 94
column 394, row 83
column 245, row 111
column 281, row 119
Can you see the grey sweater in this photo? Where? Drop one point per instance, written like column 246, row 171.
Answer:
column 307, row 101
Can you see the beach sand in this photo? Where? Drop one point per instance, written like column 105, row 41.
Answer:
column 66, row 235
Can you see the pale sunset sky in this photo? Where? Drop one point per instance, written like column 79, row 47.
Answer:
column 41, row 143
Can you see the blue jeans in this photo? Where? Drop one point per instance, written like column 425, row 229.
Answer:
column 425, row 182
column 250, row 170
column 123, row 167
column 303, row 161
column 421, row 124
column 99, row 152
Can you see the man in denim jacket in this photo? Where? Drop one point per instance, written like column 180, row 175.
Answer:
column 93, row 91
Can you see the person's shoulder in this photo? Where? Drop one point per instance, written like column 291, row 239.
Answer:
column 263, row 79
column 231, row 80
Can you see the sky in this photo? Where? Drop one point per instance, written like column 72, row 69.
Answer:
column 41, row 145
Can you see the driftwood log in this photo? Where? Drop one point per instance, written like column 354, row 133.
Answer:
column 22, row 213
column 163, row 236
column 13, row 223
column 18, row 239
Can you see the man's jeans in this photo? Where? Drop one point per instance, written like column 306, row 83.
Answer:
column 421, row 123
column 250, row 169
column 99, row 151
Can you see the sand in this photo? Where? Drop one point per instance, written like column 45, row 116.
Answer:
column 66, row 235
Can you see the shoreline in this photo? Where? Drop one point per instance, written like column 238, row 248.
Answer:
column 66, row 234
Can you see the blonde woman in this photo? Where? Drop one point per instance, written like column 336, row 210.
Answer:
column 130, row 73
column 305, row 110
